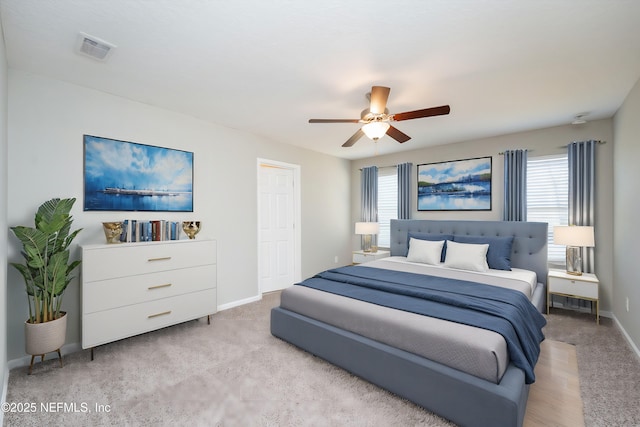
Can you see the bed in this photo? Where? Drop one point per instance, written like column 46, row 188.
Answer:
column 466, row 374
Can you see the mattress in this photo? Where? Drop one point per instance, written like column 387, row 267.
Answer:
column 478, row 352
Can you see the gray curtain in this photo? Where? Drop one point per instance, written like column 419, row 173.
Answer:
column 369, row 200
column 582, row 181
column 515, row 185
column 404, row 190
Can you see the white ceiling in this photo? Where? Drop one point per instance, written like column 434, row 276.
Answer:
column 266, row 67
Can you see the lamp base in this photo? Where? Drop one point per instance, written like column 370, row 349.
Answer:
column 366, row 243
column 574, row 260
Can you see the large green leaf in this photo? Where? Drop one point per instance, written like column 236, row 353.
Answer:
column 57, row 273
column 53, row 219
column 31, row 237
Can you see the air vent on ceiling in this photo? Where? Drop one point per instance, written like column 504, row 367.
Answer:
column 93, row 47
column 579, row 119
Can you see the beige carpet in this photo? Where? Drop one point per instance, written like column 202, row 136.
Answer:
column 234, row 373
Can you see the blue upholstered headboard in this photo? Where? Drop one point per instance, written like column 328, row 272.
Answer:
column 529, row 249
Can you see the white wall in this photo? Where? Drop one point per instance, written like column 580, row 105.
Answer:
column 48, row 119
column 541, row 142
column 627, row 206
column 3, row 216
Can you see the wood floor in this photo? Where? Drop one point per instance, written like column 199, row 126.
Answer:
column 554, row 399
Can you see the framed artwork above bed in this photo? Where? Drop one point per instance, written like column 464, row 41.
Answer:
column 127, row 176
column 458, row 185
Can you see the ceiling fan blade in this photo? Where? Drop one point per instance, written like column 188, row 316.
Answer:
column 427, row 112
column 354, row 138
column 379, row 96
column 334, row 120
column 398, row 135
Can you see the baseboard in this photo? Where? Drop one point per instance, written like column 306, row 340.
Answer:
column 26, row 360
column 633, row 345
column 5, row 387
column 239, row 302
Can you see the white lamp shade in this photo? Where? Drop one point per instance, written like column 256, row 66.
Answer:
column 573, row 235
column 367, row 228
column 375, row 130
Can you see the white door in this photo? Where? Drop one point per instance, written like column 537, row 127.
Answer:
column 276, row 227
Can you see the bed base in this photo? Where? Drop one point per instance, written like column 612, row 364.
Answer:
column 462, row 398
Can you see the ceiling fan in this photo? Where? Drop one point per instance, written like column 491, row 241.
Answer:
column 376, row 119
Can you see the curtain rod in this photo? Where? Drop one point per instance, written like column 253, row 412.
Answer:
column 382, row 167
column 597, row 141
column 600, row 142
column 501, row 153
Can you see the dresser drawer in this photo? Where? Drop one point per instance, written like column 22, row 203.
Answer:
column 573, row 287
column 101, row 262
column 111, row 325
column 113, row 293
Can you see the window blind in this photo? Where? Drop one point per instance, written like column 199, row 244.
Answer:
column 387, row 203
column 548, row 196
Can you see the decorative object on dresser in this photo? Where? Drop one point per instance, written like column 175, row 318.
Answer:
column 130, row 289
column 575, row 238
column 46, row 272
column 135, row 230
column 361, row 256
column 191, row 228
column 566, row 284
column 112, row 231
column 367, row 229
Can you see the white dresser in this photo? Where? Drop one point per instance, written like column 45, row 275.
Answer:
column 132, row 288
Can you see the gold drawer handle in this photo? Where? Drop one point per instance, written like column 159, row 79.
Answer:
column 159, row 259
column 166, row 285
column 164, row 313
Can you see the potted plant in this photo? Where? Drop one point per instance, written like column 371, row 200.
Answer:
column 47, row 272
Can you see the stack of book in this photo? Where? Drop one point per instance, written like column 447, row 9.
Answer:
column 150, row 231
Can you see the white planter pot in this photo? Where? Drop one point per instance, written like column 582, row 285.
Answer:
column 42, row 338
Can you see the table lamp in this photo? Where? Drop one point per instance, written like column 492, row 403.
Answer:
column 367, row 229
column 575, row 237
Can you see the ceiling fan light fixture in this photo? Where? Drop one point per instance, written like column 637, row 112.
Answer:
column 375, row 119
column 375, row 130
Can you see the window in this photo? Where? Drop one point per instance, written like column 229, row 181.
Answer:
column 548, row 196
column 387, row 203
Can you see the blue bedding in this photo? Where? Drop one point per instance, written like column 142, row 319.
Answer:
column 501, row 310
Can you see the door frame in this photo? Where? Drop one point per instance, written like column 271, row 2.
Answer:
column 297, row 228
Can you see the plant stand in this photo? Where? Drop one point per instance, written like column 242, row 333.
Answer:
column 43, row 338
column 42, row 360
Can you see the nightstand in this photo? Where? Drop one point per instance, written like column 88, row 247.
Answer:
column 361, row 256
column 582, row 287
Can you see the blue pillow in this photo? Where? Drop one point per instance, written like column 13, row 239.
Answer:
column 499, row 254
column 432, row 237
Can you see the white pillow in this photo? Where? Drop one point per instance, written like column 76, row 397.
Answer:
column 467, row 256
column 425, row 251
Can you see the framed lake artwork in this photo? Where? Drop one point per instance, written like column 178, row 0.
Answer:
column 460, row 185
column 127, row 176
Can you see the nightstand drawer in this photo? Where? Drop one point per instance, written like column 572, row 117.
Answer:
column 573, row 287
column 360, row 257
